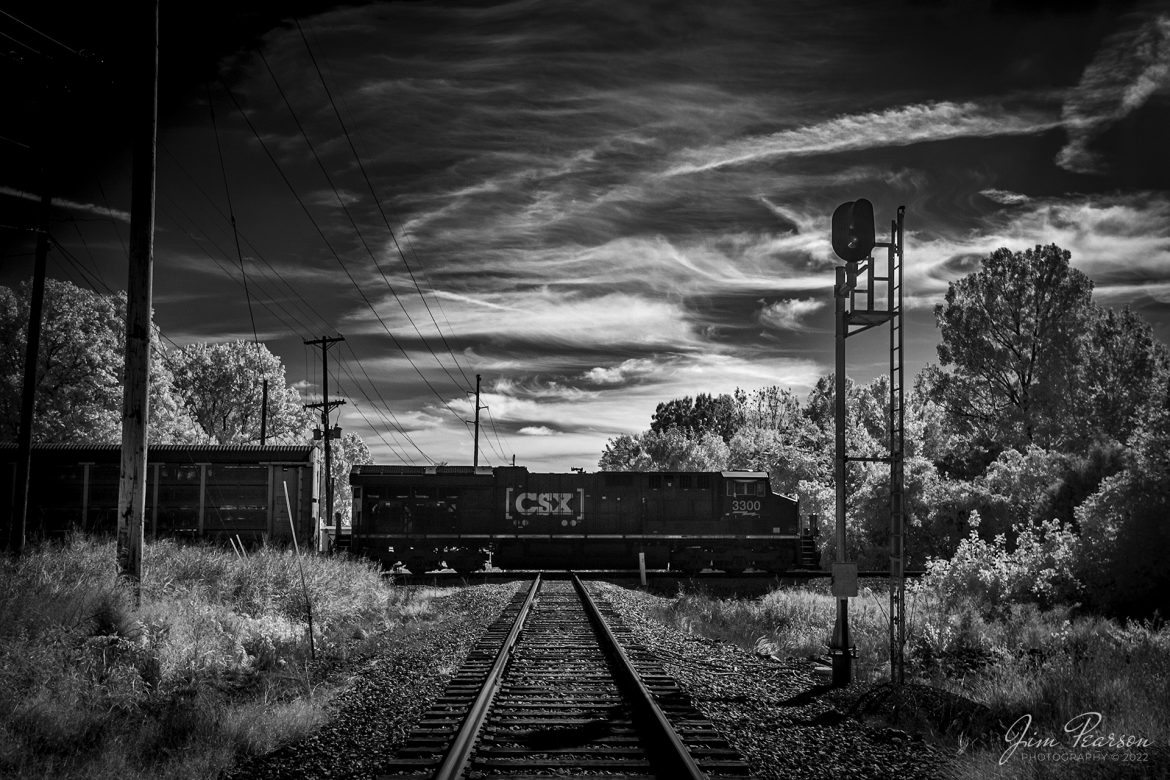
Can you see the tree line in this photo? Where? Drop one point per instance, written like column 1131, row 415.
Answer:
column 1037, row 447
column 201, row 393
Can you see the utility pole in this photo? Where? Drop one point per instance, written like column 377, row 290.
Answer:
column 264, row 413
column 327, row 406
column 18, row 531
column 135, row 396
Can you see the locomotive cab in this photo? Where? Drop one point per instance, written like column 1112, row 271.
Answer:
column 751, row 507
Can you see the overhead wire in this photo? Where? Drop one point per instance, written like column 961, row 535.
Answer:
column 329, row 245
column 231, row 211
column 396, row 424
column 377, row 200
column 44, row 35
column 382, row 212
column 492, row 422
column 376, row 430
column 305, row 305
column 165, row 209
column 349, row 216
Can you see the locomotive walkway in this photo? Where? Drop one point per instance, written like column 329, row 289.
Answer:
column 549, row 690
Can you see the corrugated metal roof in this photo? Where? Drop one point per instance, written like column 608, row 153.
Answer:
column 402, row 470
column 156, row 453
column 170, row 447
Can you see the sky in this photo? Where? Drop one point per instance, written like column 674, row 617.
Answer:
column 593, row 206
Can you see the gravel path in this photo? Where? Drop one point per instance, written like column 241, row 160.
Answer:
column 778, row 714
column 387, row 694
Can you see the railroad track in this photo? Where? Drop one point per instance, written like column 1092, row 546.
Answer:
column 549, row 690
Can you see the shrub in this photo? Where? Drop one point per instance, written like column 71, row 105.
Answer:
column 1041, row 568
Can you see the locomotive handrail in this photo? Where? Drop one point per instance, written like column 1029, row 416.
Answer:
column 461, row 747
column 682, row 764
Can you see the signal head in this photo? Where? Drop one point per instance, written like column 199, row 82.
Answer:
column 853, row 230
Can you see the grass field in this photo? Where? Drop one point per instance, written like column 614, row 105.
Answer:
column 214, row 662
column 1050, row 668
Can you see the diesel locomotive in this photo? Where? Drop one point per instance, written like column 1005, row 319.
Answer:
column 431, row 517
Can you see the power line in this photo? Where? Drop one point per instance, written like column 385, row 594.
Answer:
column 389, row 410
column 377, row 201
column 231, row 212
column 46, row 36
column 306, row 306
column 329, row 245
column 349, row 216
column 492, row 424
column 297, row 325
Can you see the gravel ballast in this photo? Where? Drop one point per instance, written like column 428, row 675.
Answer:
column 778, row 713
column 386, row 694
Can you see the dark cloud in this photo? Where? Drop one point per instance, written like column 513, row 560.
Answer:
column 599, row 206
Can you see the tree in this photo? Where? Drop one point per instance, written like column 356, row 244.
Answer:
column 1123, row 525
column 222, row 386
column 1122, row 362
column 79, row 369
column 345, row 453
column 769, row 407
column 1011, row 337
column 624, row 453
column 706, row 414
column 669, row 450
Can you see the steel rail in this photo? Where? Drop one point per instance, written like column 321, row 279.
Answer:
column 678, row 760
column 456, row 759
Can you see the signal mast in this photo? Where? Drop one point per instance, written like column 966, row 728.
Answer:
column 860, row 305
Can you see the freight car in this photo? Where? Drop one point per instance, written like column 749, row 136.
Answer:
column 427, row 517
column 192, row 491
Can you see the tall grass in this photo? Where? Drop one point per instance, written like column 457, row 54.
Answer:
column 213, row 662
column 1049, row 665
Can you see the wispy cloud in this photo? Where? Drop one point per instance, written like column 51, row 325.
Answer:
column 71, row 205
column 332, row 199
column 537, row 430
column 1005, row 197
column 788, row 314
column 899, row 126
column 1132, row 65
column 622, row 373
column 1116, row 240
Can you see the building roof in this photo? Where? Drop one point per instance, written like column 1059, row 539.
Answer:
column 187, row 453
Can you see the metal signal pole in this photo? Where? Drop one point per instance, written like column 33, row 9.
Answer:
column 853, row 241
column 327, row 406
column 135, row 396
column 475, row 460
column 841, row 649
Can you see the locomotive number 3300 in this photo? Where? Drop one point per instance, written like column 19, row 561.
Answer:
column 745, row 506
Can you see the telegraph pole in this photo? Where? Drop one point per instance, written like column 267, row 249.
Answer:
column 135, row 397
column 327, row 406
column 18, row 531
column 264, row 413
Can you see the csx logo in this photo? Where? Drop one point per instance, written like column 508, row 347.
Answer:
column 558, row 504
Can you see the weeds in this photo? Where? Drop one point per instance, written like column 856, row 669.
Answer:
column 214, row 663
column 992, row 666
